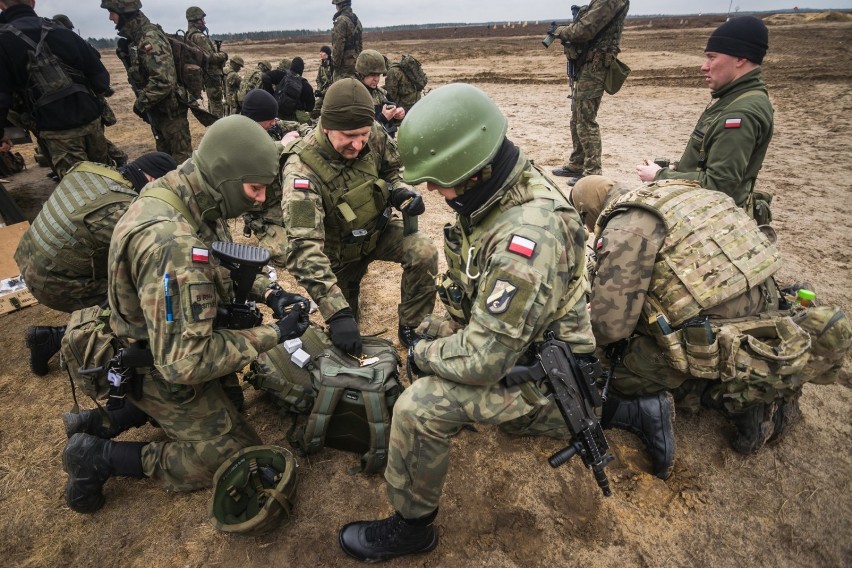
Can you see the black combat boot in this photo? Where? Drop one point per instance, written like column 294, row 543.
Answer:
column 91, row 421
column 651, row 418
column 89, row 461
column 787, row 414
column 755, row 426
column 43, row 343
column 375, row 541
column 407, row 336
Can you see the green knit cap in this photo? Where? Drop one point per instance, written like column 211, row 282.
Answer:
column 347, row 106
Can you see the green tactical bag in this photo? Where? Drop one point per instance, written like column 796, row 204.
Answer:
column 831, row 338
column 616, row 74
column 354, row 402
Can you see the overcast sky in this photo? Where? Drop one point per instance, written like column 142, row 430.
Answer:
column 224, row 16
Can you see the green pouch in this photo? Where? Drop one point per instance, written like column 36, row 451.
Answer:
column 616, row 74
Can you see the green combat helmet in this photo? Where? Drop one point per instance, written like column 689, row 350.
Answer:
column 450, row 135
column 284, row 64
column 253, row 491
column 121, row 6
column 371, row 62
column 238, row 60
column 194, row 13
column 265, row 66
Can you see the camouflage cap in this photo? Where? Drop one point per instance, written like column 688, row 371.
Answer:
column 347, row 106
column 225, row 171
column 121, row 6
column 64, row 20
column 194, row 13
column 371, row 62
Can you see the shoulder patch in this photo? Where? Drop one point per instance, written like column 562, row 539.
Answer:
column 200, row 255
column 301, row 183
column 733, row 122
column 522, row 246
column 599, row 244
column 501, row 296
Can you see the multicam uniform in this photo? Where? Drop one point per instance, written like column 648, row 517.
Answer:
column 400, row 88
column 254, row 80
column 180, row 392
column 337, row 220
column 324, row 78
column 726, row 150
column 63, row 255
column 233, row 79
column 594, row 38
column 214, row 73
column 152, row 70
column 516, row 269
column 644, row 271
column 346, row 42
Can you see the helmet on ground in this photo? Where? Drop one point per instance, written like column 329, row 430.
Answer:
column 371, row 61
column 121, row 6
column 450, row 135
column 253, row 490
column 64, row 20
column 194, row 13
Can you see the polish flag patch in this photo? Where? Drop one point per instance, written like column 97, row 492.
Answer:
column 733, row 122
column 200, row 254
column 522, row 246
column 301, row 183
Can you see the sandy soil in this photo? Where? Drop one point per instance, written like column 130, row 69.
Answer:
column 789, row 505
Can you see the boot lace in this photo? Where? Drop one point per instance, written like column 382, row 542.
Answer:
column 385, row 530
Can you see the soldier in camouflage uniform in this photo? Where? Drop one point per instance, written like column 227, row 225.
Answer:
column 151, row 69
column 233, row 78
column 346, row 40
column 254, row 80
column 646, row 289
column 401, row 87
column 168, row 232
column 324, row 77
column 198, row 34
column 339, row 186
column 727, row 147
column 369, row 68
column 591, row 45
column 516, row 270
column 63, row 254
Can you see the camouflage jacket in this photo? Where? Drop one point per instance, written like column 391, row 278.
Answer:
column 215, row 58
column 518, row 264
column 726, row 150
column 346, row 42
column 233, row 79
column 151, row 66
column 636, row 263
column 597, row 29
column 324, row 76
column 153, row 241
column 320, row 223
column 254, row 80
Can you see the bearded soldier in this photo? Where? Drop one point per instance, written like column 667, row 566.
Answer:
column 198, row 34
column 165, row 288
column 233, row 78
column 339, row 186
column 346, row 40
column 151, row 71
column 516, row 271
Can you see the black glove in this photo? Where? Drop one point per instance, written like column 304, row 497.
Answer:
column 294, row 324
column 279, row 300
column 344, row 332
column 415, row 205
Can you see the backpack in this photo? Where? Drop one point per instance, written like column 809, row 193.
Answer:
column 49, row 78
column 86, row 350
column 288, row 93
column 190, row 63
column 413, row 71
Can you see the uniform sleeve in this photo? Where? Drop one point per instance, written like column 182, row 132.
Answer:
column 515, row 302
column 303, row 214
column 389, row 169
column 180, row 316
column 155, row 56
column 338, row 41
column 599, row 14
column 626, row 252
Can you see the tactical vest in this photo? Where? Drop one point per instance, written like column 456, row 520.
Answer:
column 355, row 200
column 457, row 287
column 606, row 41
column 59, row 232
column 713, row 251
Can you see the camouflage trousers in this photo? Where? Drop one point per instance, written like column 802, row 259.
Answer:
column 586, row 94
column 432, row 411
column 203, row 428
column 419, row 259
column 171, row 130
column 215, row 95
column 67, row 147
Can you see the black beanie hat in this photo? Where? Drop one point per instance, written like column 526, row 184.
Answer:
column 746, row 37
column 297, row 66
column 259, row 105
column 327, row 50
column 155, row 164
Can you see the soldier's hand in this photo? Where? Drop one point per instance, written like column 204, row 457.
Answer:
column 344, row 331
column 280, row 301
column 294, row 323
column 408, row 201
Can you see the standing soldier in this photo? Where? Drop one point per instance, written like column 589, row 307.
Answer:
column 346, row 40
column 591, row 44
column 339, row 186
column 324, row 78
column 232, row 85
column 151, row 72
column 198, row 34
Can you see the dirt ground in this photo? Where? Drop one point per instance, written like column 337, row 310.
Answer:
column 789, row 505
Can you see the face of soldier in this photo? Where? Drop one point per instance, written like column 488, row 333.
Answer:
column 200, row 24
column 349, row 143
column 114, row 17
column 720, row 69
column 323, row 56
column 445, row 192
column 255, row 191
column 371, row 81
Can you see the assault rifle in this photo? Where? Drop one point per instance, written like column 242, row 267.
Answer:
column 572, row 384
column 245, row 263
